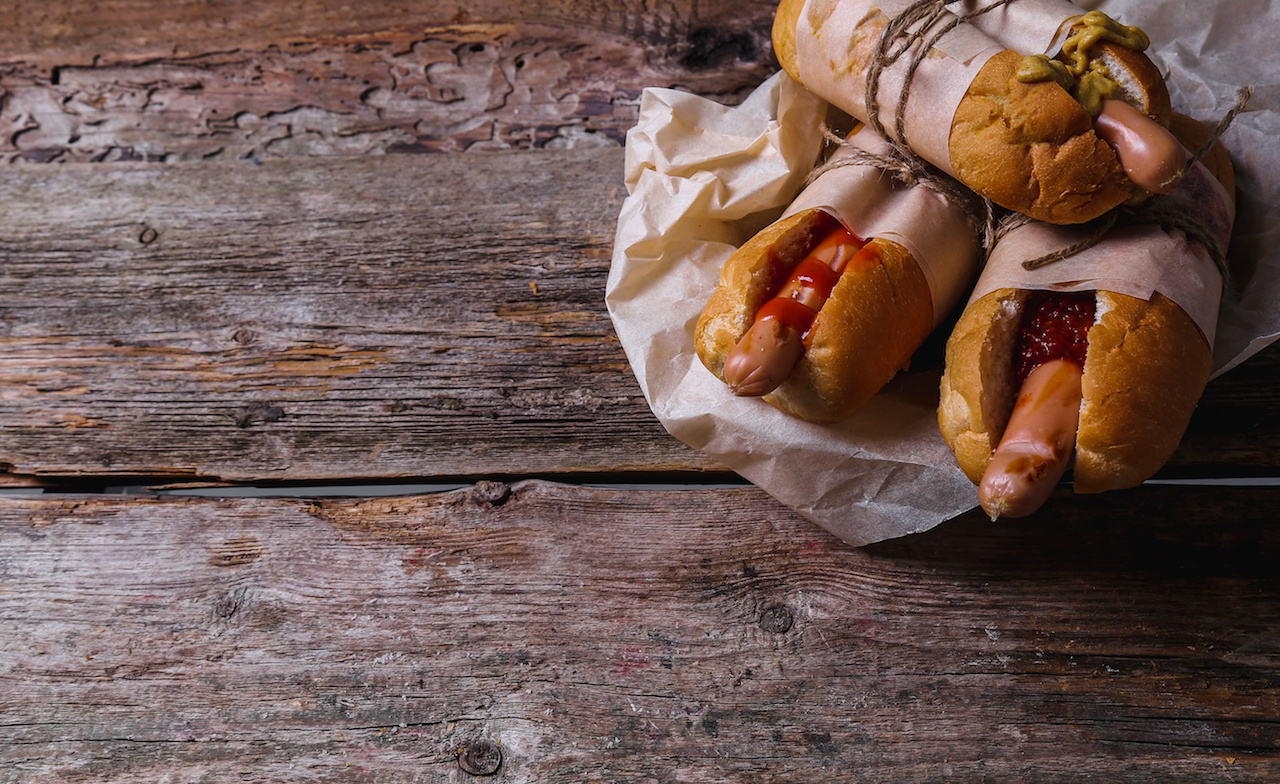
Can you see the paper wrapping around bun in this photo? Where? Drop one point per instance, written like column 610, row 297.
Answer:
column 937, row 232
column 1029, row 26
column 1134, row 259
column 828, row 46
column 876, row 317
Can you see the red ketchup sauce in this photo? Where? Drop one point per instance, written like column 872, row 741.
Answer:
column 809, row 284
column 1055, row 325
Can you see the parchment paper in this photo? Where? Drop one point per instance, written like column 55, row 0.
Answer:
column 941, row 238
column 833, row 69
column 1136, row 260
column 702, row 178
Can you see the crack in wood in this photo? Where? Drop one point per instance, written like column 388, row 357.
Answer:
column 482, row 87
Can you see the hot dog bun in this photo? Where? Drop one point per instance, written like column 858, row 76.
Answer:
column 1028, row 147
column 1146, row 367
column 865, row 333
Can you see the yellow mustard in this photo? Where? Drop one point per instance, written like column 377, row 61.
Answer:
column 1077, row 72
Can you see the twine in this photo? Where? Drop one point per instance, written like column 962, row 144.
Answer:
column 910, row 29
column 912, row 172
column 1153, row 212
column 900, row 35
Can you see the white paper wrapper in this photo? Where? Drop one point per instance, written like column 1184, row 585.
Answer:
column 1137, row 260
column 937, row 234
column 702, row 178
column 1027, row 26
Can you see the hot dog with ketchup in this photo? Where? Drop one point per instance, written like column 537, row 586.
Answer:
column 819, row 310
column 1010, row 128
column 1095, row 362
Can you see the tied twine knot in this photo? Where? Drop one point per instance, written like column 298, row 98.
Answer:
column 916, row 30
column 905, row 33
column 910, row 171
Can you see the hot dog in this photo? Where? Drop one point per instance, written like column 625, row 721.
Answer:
column 819, row 310
column 979, row 111
column 1117, row 84
column 1034, row 374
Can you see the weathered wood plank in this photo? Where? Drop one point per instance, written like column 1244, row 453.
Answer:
column 370, row 317
column 661, row 636
column 82, row 31
column 356, row 318
column 94, row 81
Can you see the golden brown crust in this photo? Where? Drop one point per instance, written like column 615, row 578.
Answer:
column 784, row 35
column 747, row 280
column 1146, row 367
column 1140, row 81
column 865, row 333
column 978, row 382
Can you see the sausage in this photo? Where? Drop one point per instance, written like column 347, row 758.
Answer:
column 768, row 352
column 1036, row 447
column 1150, row 155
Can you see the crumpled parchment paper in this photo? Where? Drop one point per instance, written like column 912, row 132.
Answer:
column 703, row 177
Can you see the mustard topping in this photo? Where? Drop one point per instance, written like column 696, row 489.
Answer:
column 1096, row 27
column 1075, row 69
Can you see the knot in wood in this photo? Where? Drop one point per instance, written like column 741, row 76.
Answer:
column 776, row 619
column 148, row 236
column 480, row 758
column 491, row 493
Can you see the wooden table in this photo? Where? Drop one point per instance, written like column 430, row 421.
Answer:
column 348, row 260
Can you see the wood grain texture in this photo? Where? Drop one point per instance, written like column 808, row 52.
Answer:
column 94, row 81
column 82, row 31
column 625, row 636
column 355, row 318
column 303, row 320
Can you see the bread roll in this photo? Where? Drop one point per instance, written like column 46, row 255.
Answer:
column 865, row 333
column 820, row 356
column 1027, row 146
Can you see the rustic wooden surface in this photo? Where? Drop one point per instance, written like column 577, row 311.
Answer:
column 605, row 635
column 356, row 243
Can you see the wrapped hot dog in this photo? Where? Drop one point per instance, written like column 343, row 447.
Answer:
column 1050, row 137
column 1103, row 353
column 819, row 310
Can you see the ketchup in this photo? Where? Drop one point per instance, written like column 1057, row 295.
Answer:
column 810, row 283
column 1055, row 325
